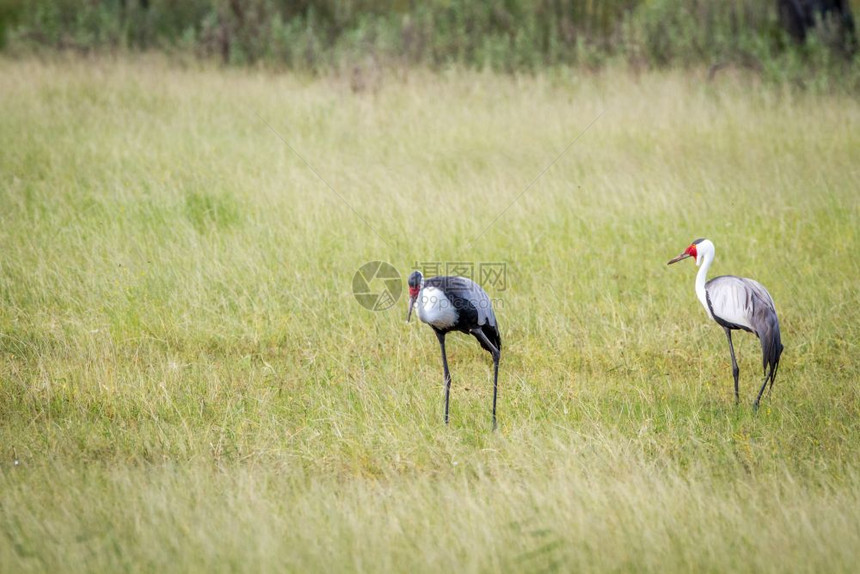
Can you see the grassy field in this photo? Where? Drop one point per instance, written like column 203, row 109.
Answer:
column 188, row 383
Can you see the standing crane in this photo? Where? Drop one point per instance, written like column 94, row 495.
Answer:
column 737, row 303
column 449, row 303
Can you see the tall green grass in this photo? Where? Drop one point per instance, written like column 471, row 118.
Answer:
column 187, row 383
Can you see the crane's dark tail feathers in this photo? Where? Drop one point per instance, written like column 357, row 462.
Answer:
column 771, row 348
column 492, row 334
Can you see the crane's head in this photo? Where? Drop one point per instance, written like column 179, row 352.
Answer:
column 416, row 281
column 696, row 249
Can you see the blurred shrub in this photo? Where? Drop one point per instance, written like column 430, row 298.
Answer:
column 505, row 35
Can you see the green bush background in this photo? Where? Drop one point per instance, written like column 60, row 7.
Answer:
column 504, row 35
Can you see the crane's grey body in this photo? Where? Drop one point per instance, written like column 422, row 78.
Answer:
column 443, row 298
column 738, row 303
column 741, row 303
column 457, row 304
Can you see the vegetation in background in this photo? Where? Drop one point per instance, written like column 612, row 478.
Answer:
column 187, row 383
column 505, row 35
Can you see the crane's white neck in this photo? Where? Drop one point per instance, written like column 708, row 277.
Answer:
column 704, row 258
column 434, row 308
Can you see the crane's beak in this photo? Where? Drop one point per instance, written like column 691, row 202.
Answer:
column 678, row 258
column 412, row 299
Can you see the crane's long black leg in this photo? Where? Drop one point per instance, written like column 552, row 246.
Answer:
column 479, row 334
column 447, row 381
column 496, row 358
column 735, row 370
column 767, row 377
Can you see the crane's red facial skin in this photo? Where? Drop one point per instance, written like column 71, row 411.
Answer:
column 688, row 252
column 691, row 251
column 413, row 296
